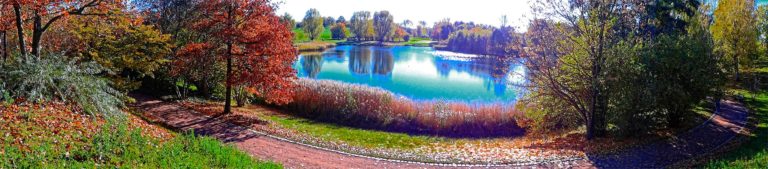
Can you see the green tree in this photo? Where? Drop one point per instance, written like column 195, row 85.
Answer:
column 328, row 21
column 313, row 24
column 339, row 31
column 762, row 29
column 734, row 33
column 571, row 69
column 126, row 49
column 359, row 24
column 593, row 67
column 383, row 22
column 288, row 20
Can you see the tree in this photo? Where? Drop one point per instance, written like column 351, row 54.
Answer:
column 572, row 69
column 121, row 45
column 257, row 49
column 370, row 32
column 341, row 20
column 313, row 24
column 176, row 17
column 406, row 23
column 329, row 21
column 735, row 33
column 442, row 29
column 359, row 24
column 400, row 33
column 339, row 31
column 43, row 14
column 595, row 65
column 382, row 25
column 288, row 20
column 500, row 41
column 762, row 26
column 4, row 18
column 663, row 16
column 422, row 29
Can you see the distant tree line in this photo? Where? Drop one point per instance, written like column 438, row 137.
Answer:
column 362, row 26
column 476, row 38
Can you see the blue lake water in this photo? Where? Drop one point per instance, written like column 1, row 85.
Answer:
column 420, row 73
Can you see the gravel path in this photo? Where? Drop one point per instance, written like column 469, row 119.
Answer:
column 705, row 138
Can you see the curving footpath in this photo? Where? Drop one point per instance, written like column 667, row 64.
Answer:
column 706, row 138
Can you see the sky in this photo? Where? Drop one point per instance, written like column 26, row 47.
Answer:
column 479, row 11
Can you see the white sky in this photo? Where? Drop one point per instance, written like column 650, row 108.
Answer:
column 478, row 11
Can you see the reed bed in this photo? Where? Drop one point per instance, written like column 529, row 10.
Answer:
column 375, row 108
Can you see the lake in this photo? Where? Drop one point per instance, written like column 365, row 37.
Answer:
column 420, row 73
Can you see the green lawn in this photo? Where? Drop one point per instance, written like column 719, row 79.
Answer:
column 418, row 42
column 300, row 36
column 753, row 153
column 353, row 136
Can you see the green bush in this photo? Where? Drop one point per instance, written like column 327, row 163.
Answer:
column 58, row 78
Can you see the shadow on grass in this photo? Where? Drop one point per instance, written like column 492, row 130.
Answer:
column 700, row 140
column 755, row 149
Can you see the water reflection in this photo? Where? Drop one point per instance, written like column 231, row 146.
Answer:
column 360, row 60
column 312, row 63
column 383, row 62
column 416, row 72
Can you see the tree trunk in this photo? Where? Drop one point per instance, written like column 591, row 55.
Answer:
column 228, row 84
column 228, row 92
column 204, row 88
column 37, row 34
column 736, row 68
column 674, row 118
column 20, row 29
column 240, row 97
column 5, row 48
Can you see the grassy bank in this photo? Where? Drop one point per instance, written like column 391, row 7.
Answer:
column 299, row 36
column 315, row 46
column 54, row 136
column 353, row 136
column 754, row 152
column 419, row 42
column 374, row 108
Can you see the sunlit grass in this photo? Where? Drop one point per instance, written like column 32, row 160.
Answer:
column 299, row 36
column 418, row 42
column 354, row 136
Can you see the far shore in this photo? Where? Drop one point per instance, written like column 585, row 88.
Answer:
column 315, row 46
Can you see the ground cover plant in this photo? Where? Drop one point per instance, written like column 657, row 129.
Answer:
column 374, row 108
column 53, row 135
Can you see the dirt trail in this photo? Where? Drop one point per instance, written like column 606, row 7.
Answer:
column 705, row 138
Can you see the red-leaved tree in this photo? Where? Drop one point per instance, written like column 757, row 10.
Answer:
column 257, row 48
column 38, row 16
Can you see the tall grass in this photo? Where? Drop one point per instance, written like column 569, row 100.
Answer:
column 374, row 108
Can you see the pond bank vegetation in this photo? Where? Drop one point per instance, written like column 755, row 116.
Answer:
column 373, row 108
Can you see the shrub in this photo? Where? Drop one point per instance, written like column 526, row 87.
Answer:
column 57, row 78
column 367, row 107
